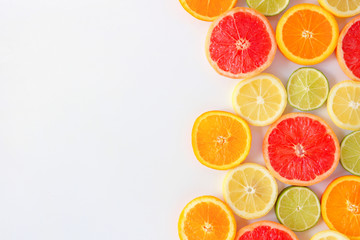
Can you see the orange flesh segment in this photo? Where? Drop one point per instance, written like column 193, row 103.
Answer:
column 209, row 8
column 221, row 139
column 307, row 34
column 206, row 221
column 343, row 207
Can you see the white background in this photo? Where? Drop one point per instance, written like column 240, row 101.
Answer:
column 97, row 102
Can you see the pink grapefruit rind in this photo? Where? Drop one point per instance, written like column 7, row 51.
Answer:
column 273, row 225
column 340, row 52
column 299, row 182
column 269, row 30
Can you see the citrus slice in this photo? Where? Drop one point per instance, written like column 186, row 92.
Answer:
column 348, row 49
column 240, row 43
column 265, row 230
column 220, row 140
column 350, row 153
column 340, row 206
column 344, row 105
column 260, row 100
column 298, row 208
column 250, row 190
column 307, row 34
column 301, row 149
column 207, row 10
column 307, row 89
column 268, row 7
column 343, row 8
column 206, row 218
column 329, row 235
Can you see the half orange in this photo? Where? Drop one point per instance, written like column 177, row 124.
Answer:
column 220, row 140
column 206, row 218
column 207, row 10
column 340, row 206
column 307, row 34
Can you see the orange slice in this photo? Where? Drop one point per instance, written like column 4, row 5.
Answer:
column 307, row 34
column 206, row 218
column 207, row 10
column 340, row 206
column 220, row 140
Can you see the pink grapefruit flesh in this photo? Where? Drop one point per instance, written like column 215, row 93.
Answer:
column 240, row 43
column 265, row 230
column 301, row 149
column 348, row 49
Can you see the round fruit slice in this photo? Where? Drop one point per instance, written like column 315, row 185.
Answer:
column 301, row 149
column 329, row 235
column 343, row 8
column 340, row 206
column 240, row 43
column 344, row 105
column 307, row 34
column 348, row 49
column 206, row 218
column 350, row 153
column 307, row 89
column 268, row 7
column 250, row 190
column 298, row 208
column 220, row 140
column 260, row 100
column 265, row 230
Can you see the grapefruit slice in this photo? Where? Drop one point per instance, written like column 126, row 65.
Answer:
column 348, row 49
column 301, row 149
column 240, row 43
column 265, row 230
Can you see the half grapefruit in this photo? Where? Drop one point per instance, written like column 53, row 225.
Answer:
column 265, row 230
column 240, row 43
column 348, row 49
column 301, row 149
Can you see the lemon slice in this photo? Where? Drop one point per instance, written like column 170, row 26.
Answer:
column 344, row 105
column 343, row 8
column 268, row 7
column 250, row 190
column 329, row 235
column 260, row 100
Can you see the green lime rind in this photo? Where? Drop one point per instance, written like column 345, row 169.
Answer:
column 314, row 89
column 298, row 208
column 268, row 7
column 350, row 153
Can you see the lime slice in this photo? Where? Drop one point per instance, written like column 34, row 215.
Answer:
column 307, row 89
column 350, row 153
column 298, row 208
column 268, row 7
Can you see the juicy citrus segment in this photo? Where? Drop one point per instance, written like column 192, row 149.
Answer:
column 307, row 34
column 343, row 8
column 240, row 43
column 207, row 10
column 206, row 218
column 220, row 140
column 268, row 7
column 340, row 206
column 298, row 208
column 260, row 100
column 301, row 149
column 344, row 105
column 265, row 230
column 329, row 235
column 348, row 49
column 307, row 89
column 250, row 190
column 350, row 153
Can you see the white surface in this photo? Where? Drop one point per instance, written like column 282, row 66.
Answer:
column 97, row 102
